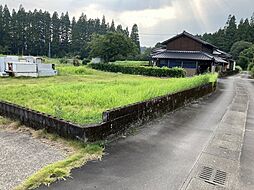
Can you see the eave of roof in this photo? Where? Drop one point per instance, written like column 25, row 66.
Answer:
column 220, row 52
column 184, row 33
column 187, row 55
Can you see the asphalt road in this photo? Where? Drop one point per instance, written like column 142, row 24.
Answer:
column 163, row 153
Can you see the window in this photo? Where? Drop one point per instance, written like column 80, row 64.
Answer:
column 189, row 64
column 175, row 63
column 163, row 63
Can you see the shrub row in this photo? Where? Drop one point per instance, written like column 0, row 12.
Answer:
column 140, row 70
column 252, row 72
column 229, row 73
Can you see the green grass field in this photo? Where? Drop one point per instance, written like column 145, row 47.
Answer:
column 80, row 94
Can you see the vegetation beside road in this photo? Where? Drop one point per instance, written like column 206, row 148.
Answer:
column 252, row 72
column 62, row 169
column 80, row 94
column 78, row 154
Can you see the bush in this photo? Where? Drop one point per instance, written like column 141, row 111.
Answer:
column 250, row 66
column 76, row 62
column 140, row 70
column 252, row 72
column 63, row 60
column 238, row 69
column 85, row 61
column 243, row 62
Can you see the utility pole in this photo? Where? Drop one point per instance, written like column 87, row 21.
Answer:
column 49, row 53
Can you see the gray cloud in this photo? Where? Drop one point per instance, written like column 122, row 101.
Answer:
column 195, row 16
column 125, row 5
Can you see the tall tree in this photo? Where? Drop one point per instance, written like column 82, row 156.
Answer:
column 112, row 26
column 135, row 36
column 104, row 28
column 6, row 24
column 47, row 32
column 65, row 26
column 21, row 30
column 111, row 46
column 230, row 32
column 238, row 47
column 55, row 34
column 1, row 25
column 126, row 32
column 31, row 32
column 224, row 38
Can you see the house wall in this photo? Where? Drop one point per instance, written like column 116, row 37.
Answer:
column 207, row 49
column 190, row 66
column 184, row 43
column 190, row 72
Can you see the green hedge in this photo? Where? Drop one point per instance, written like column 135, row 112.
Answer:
column 252, row 72
column 140, row 70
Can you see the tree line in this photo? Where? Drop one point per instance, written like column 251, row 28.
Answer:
column 232, row 32
column 235, row 38
column 40, row 33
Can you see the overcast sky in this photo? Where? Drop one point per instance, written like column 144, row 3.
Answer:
column 157, row 19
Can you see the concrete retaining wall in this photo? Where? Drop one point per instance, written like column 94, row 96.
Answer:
column 114, row 121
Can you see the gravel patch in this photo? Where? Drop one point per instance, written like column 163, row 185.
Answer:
column 21, row 155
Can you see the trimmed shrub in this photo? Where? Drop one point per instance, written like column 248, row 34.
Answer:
column 140, row 70
column 76, row 62
column 85, row 61
column 238, row 69
column 250, row 66
column 252, row 72
column 63, row 60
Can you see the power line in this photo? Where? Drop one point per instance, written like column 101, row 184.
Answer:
column 147, row 34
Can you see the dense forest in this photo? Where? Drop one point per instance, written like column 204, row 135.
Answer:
column 235, row 38
column 34, row 33
column 232, row 32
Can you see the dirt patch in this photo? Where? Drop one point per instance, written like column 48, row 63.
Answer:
column 25, row 151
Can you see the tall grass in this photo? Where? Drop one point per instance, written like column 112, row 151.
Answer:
column 81, row 94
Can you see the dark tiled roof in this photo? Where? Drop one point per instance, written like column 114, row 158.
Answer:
column 222, row 53
column 187, row 55
column 219, row 60
column 190, row 36
column 191, row 55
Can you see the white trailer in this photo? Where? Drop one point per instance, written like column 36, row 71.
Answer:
column 2, row 67
column 27, row 66
column 96, row 60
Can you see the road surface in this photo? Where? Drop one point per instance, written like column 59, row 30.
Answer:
column 171, row 152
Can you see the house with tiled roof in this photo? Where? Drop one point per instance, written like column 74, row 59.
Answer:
column 193, row 54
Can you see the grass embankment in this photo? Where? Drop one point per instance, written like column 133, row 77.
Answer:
column 79, row 154
column 81, row 94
